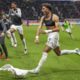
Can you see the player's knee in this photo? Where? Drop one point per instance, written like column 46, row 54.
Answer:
column 12, row 30
column 21, row 36
column 46, row 50
column 58, row 53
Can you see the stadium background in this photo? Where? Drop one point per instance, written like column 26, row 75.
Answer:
column 31, row 8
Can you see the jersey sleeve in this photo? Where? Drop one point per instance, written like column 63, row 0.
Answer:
column 18, row 12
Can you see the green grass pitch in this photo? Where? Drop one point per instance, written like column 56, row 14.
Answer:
column 66, row 67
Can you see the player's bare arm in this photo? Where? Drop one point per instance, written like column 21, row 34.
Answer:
column 39, row 30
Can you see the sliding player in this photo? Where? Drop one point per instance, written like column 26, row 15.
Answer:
column 51, row 22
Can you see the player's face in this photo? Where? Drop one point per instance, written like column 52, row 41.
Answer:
column 13, row 6
column 45, row 10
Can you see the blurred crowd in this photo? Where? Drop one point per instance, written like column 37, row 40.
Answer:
column 31, row 8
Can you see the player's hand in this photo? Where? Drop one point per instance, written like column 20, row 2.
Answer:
column 42, row 31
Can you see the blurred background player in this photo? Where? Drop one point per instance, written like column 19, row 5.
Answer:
column 15, row 14
column 67, row 28
column 7, row 22
column 2, row 37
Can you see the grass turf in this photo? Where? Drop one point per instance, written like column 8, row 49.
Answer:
column 66, row 67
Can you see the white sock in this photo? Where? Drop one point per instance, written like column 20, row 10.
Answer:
column 12, row 42
column 68, row 52
column 13, row 39
column 8, row 33
column 24, row 43
column 41, row 62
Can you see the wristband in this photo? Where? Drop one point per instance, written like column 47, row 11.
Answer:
column 48, row 31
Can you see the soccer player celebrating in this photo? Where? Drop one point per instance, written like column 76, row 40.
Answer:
column 51, row 22
column 15, row 14
column 67, row 28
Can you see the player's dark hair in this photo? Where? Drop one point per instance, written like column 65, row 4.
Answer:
column 47, row 5
column 14, row 3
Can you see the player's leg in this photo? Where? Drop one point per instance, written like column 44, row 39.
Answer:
column 69, row 32
column 20, row 31
column 62, row 52
column 11, row 35
column 13, row 40
column 70, row 35
column 4, row 47
column 49, row 46
column 74, row 51
column 5, row 50
column 1, row 53
column 11, row 30
column 59, row 52
column 46, row 50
